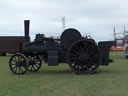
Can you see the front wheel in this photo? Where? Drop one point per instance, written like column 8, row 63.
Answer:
column 35, row 63
column 18, row 64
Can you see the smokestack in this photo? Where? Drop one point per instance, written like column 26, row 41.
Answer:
column 26, row 30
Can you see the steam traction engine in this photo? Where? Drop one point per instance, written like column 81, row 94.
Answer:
column 83, row 54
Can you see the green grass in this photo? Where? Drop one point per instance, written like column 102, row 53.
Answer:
column 109, row 80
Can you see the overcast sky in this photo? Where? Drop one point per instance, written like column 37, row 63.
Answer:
column 93, row 17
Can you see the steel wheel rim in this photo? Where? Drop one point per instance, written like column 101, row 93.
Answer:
column 82, row 59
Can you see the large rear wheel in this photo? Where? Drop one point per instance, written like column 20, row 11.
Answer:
column 84, row 57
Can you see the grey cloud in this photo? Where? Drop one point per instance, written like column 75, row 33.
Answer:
column 94, row 17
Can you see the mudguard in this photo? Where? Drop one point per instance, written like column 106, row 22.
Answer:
column 105, row 47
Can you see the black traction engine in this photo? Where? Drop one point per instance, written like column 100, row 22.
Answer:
column 83, row 54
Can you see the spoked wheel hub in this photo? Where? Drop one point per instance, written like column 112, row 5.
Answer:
column 84, row 57
column 19, row 64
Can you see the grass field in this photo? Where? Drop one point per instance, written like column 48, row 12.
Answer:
column 109, row 80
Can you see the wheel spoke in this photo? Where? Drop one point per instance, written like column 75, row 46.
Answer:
column 14, row 59
column 18, row 58
column 30, row 66
column 21, row 70
column 76, row 48
column 13, row 64
column 76, row 52
column 86, row 66
column 87, row 51
column 85, row 46
column 81, row 49
column 82, row 67
column 15, row 69
column 33, row 67
column 92, row 59
column 74, row 59
column 74, row 55
column 36, row 65
column 92, row 62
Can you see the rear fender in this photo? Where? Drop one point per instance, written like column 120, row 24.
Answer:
column 104, row 48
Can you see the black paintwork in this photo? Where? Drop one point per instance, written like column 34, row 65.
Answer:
column 81, row 53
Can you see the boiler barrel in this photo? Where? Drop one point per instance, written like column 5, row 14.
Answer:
column 33, row 48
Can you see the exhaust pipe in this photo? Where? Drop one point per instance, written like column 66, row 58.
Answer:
column 26, row 30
